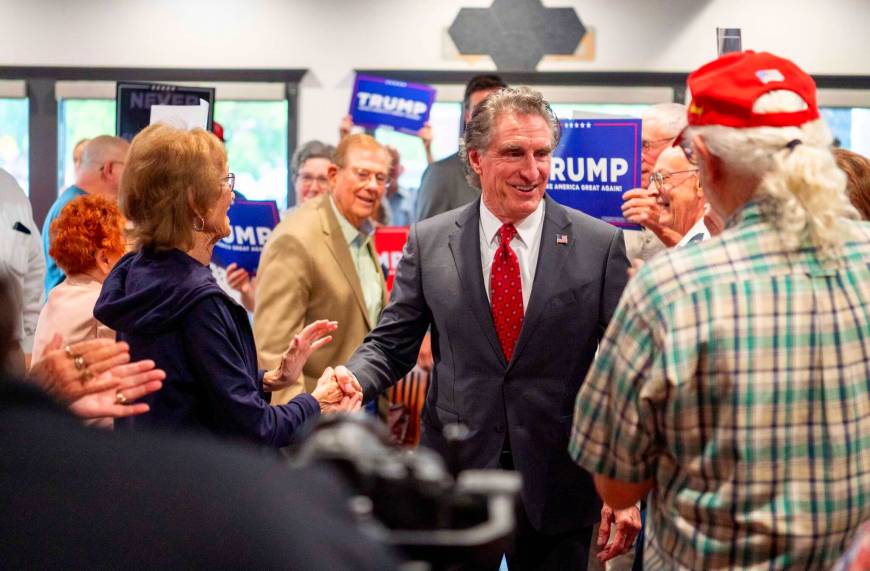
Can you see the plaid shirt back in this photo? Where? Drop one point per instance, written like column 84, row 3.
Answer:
column 736, row 374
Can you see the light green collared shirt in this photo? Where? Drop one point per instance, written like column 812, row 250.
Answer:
column 363, row 254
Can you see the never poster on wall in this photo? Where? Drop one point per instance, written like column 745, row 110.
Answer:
column 135, row 100
column 251, row 224
column 597, row 160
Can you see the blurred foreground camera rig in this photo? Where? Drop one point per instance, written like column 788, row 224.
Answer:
column 434, row 516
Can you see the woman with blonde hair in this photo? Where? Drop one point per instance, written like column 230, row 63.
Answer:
column 163, row 300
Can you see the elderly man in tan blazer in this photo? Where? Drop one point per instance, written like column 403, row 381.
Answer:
column 320, row 263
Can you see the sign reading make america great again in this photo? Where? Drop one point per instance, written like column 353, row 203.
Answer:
column 251, row 224
column 596, row 161
column 134, row 101
column 385, row 102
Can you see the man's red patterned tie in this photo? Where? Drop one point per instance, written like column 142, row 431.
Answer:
column 506, row 292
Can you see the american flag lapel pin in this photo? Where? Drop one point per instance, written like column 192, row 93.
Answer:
column 562, row 239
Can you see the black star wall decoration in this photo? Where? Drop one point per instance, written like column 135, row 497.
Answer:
column 516, row 34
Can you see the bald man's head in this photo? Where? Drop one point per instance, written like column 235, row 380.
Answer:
column 103, row 161
column 104, row 148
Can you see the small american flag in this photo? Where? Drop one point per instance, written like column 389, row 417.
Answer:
column 561, row 238
column 769, row 75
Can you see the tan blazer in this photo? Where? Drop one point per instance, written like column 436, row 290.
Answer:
column 305, row 274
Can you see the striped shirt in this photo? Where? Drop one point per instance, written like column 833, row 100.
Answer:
column 736, row 374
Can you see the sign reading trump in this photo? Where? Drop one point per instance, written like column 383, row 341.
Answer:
column 251, row 224
column 402, row 106
column 596, row 161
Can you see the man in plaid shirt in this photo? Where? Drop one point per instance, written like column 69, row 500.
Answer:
column 732, row 382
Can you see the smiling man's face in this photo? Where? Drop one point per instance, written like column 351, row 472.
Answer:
column 515, row 167
column 358, row 188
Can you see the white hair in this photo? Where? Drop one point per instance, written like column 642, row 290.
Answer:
column 800, row 190
column 670, row 118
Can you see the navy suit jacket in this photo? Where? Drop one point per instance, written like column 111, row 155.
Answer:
column 439, row 284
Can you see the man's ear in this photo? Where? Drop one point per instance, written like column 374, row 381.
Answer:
column 331, row 174
column 474, row 160
column 707, row 161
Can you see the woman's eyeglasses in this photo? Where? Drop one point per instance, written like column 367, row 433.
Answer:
column 229, row 181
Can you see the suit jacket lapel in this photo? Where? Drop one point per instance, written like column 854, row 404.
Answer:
column 341, row 252
column 465, row 247
column 551, row 258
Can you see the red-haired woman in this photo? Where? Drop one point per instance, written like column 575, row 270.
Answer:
column 87, row 240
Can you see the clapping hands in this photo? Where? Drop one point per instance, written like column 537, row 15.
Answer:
column 338, row 391
column 95, row 378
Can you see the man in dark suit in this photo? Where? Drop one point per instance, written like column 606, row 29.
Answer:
column 517, row 290
column 443, row 186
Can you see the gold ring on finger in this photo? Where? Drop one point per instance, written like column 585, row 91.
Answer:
column 86, row 374
column 120, row 398
column 69, row 352
column 79, row 362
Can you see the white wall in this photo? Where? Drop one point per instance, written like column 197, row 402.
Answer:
column 332, row 37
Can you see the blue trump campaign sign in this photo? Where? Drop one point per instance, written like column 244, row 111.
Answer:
column 403, row 106
column 251, row 224
column 596, row 161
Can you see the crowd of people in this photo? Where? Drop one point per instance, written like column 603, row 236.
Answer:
column 703, row 383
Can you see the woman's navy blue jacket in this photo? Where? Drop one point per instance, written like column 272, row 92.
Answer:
column 168, row 307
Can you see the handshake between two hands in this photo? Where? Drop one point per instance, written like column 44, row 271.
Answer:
column 338, row 390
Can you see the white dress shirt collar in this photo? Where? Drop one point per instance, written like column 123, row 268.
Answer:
column 526, row 245
column 528, row 229
column 696, row 233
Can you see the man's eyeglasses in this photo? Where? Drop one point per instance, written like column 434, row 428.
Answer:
column 229, row 181
column 648, row 145
column 365, row 175
column 688, row 150
column 311, row 179
column 659, row 179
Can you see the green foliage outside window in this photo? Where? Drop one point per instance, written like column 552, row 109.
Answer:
column 256, row 139
column 256, row 133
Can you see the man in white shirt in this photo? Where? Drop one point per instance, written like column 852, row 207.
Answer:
column 517, row 290
column 661, row 125
column 21, row 257
column 677, row 188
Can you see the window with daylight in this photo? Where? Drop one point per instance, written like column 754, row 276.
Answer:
column 255, row 133
column 14, row 138
column 850, row 127
column 256, row 140
column 80, row 119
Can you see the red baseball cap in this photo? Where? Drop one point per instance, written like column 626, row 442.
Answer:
column 724, row 91
column 218, row 130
